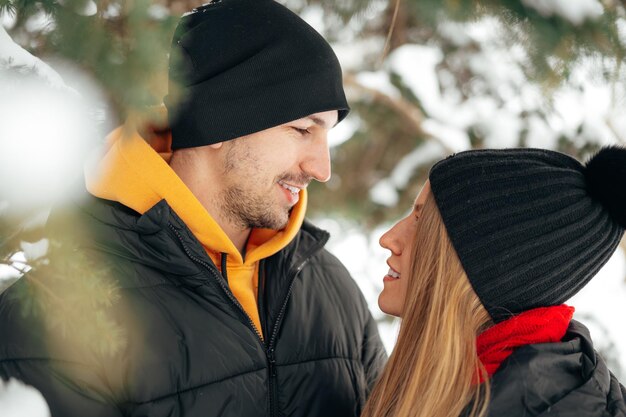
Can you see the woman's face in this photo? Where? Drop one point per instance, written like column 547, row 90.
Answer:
column 399, row 240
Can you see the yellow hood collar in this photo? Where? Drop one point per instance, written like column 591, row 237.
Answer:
column 134, row 174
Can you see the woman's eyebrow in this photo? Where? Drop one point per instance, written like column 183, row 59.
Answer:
column 418, row 206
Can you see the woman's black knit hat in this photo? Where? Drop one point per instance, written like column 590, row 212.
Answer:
column 242, row 66
column 530, row 226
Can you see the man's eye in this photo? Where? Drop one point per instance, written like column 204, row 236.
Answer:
column 301, row 131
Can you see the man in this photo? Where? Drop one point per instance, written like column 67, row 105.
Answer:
column 226, row 302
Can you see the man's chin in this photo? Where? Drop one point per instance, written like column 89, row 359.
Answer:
column 277, row 222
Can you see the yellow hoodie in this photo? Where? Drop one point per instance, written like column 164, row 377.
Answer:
column 134, row 174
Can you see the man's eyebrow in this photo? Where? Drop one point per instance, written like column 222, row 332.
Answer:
column 320, row 122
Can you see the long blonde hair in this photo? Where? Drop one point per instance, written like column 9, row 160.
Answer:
column 433, row 369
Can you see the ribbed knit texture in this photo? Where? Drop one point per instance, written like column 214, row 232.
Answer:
column 525, row 228
column 242, row 66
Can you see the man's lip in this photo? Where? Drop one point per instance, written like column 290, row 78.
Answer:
column 294, row 185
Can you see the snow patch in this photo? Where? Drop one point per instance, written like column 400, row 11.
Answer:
column 35, row 250
column 385, row 193
column 314, row 16
column 158, row 12
column 379, row 81
column 89, row 8
column 8, row 272
column 20, row 400
column 7, row 20
column 417, row 65
column 502, row 130
column 344, row 130
column 426, row 153
column 44, row 137
column 351, row 54
column 40, row 22
column 575, row 11
column 453, row 138
column 47, row 129
column 12, row 55
column 603, row 298
column 540, row 135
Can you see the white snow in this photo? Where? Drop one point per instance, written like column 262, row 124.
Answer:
column 113, row 10
column 158, row 11
column 540, row 135
column 426, row 153
column 502, row 130
column 378, row 80
column 384, row 192
column 455, row 32
column 621, row 29
column 576, row 11
column 35, row 250
column 43, row 138
column 13, row 55
column 8, row 272
column 454, row 139
column 89, row 8
column 604, row 299
column 46, row 130
column 20, row 400
column 353, row 53
column 344, row 130
column 314, row 16
column 417, row 66
column 40, row 22
column 7, row 20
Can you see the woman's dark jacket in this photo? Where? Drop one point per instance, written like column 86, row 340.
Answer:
column 182, row 345
column 566, row 379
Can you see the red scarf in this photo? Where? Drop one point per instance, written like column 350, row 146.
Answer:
column 540, row 325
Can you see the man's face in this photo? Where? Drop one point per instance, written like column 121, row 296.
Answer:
column 264, row 172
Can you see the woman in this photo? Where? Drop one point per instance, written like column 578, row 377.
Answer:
column 479, row 271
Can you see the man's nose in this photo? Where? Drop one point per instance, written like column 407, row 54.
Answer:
column 317, row 163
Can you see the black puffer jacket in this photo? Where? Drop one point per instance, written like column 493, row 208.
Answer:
column 189, row 349
column 566, row 379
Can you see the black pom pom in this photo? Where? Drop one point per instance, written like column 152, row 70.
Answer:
column 606, row 180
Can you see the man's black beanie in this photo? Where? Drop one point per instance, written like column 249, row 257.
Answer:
column 531, row 227
column 242, row 66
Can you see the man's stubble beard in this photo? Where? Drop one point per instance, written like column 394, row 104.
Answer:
column 247, row 208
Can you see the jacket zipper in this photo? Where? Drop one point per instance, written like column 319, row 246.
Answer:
column 272, row 341
column 269, row 349
column 220, row 281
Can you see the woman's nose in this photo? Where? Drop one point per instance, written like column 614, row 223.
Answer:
column 389, row 240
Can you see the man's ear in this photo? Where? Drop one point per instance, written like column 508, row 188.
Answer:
column 216, row 145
